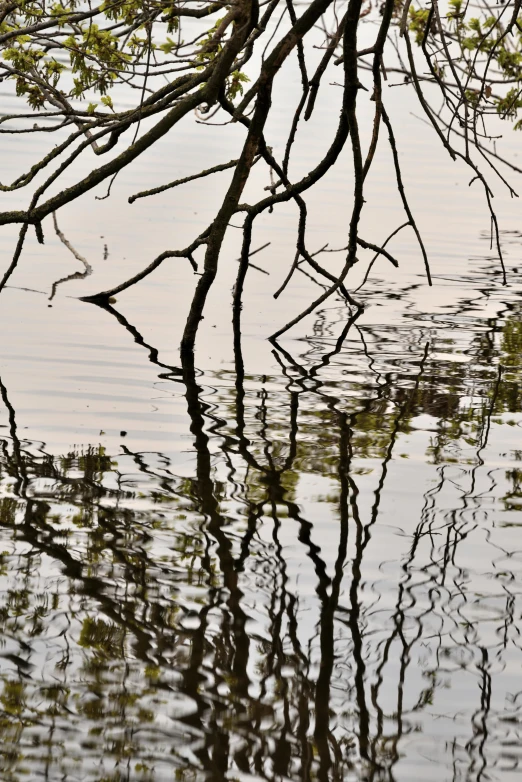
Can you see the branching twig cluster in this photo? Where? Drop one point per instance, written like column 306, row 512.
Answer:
column 473, row 63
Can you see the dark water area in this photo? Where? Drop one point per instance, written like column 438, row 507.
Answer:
column 319, row 577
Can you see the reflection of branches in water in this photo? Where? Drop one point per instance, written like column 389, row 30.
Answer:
column 173, row 373
column 456, row 533
column 294, row 664
column 75, row 275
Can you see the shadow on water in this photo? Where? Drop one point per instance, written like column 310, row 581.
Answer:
column 331, row 594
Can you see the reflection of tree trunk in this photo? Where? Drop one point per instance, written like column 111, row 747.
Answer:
column 477, row 745
column 276, row 495
column 363, row 533
column 209, row 506
column 21, row 472
column 355, row 629
column 329, row 607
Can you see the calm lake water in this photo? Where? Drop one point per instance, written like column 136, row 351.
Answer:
column 300, row 561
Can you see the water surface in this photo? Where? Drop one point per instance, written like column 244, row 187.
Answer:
column 310, row 573
column 293, row 561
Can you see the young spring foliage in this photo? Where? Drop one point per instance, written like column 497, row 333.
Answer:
column 67, row 53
